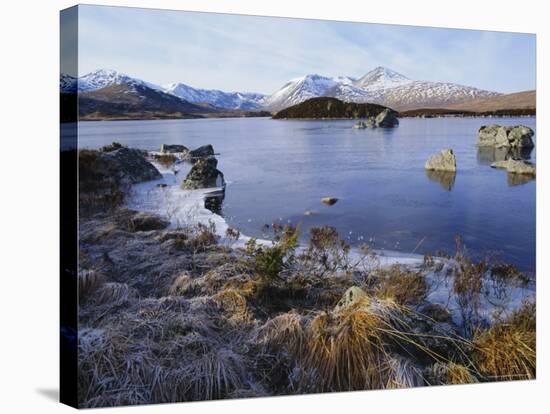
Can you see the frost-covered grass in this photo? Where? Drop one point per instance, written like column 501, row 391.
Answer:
column 176, row 315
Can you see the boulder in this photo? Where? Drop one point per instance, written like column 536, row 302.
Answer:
column 518, row 136
column 204, row 174
column 444, row 161
column 521, row 136
column 105, row 177
column 173, row 149
column 516, row 166
column 329, row 201
column 353, row 295
column 202, row 152
column 371, row 122
column 387, row 119
column 130, row 165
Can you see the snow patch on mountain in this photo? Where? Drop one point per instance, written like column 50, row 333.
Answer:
column 380, row 85
column 230, row 100
column 103, row 78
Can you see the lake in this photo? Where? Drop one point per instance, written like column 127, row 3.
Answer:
column 277, row 170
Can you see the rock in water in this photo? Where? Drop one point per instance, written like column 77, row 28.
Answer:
column 173, row 149
column 445, row 161
column 518, row 136
column 371, row 122
column 204, row 174
column 521, row 136
column 329, row 201
column 387, row 119
column 202, row 152
column 353, row 295
column 516, row 167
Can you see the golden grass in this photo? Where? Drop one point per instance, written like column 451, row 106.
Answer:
column 233, row 304
column 352, row 348
column 507, row 350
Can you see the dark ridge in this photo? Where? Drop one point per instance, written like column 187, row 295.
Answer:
column 329, row 108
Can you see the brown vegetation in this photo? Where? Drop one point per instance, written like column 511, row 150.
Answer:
column 171, row 315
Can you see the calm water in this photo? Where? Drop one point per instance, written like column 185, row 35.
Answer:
column 277, row 170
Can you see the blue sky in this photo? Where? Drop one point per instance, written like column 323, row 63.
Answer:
column 260, row 54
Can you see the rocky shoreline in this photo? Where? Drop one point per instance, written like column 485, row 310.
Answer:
column 175, row 314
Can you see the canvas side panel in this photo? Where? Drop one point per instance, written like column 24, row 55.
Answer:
column 68, row 206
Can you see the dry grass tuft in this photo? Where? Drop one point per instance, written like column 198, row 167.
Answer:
column 451, row 373
column 507, row 350
column 88, row 281
column 351, row 349
column 402, row 373
column 185, row 285
column 283, row 332
column 403, row 286
column 114, row 294
column 233, row 304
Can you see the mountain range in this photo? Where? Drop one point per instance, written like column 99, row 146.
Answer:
column 381, row 86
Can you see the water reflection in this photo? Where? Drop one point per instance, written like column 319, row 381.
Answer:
column 519, row 179
column 445, row 178
column 488, row 155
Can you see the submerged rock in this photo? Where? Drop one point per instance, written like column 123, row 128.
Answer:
column 444, row 161
column 173, row 149
column 518, row 136
column 329, row 201
column 387, row 119
column 202, row 152
column 204, row 174
column 516, row 167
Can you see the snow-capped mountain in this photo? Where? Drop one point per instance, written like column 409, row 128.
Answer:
column 102, row 78
column 424, row 94
column 300, row 89
column 381, row 78
column 381, row 85
column 246, row 101
column 67, row 83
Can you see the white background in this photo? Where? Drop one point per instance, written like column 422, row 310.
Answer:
column 29, row 204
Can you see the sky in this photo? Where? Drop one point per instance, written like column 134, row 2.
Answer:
column 261, row 54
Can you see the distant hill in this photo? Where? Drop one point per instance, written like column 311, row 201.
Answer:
column 514, row 104
column 135, row 101
column 329, row 108
column 519, row 100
